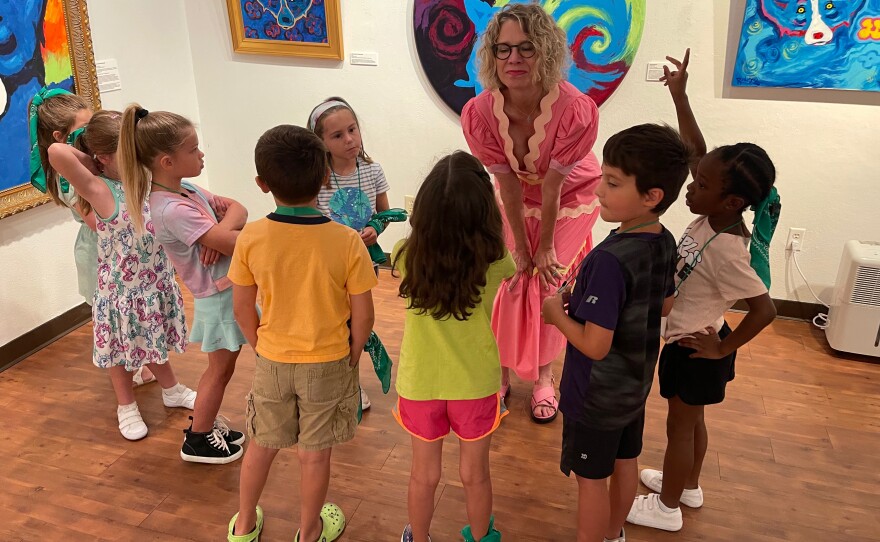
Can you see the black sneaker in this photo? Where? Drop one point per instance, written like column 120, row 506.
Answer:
column 209, row 448
column 229, row 435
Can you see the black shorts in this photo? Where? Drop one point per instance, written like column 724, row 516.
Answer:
column 696, row 381
column 591, row 453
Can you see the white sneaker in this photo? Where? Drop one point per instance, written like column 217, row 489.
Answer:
column 365, row 401
column 653, row 480
column 179, row 396
column 646, row 511
column 131, row 424
column 621, row 538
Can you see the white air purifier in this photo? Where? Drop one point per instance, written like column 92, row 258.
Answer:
column 854, row 316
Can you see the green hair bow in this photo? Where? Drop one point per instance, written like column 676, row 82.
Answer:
column 38, row 174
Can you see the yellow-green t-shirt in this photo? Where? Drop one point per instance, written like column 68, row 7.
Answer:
column 305, row 268
column 452, row 359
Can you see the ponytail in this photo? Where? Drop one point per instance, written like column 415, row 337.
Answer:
column 135, row 177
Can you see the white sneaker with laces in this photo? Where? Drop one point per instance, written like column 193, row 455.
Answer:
column 646, row 511
column 131, row 424
column 365, row 401
column 179, row 396
column 653, row 480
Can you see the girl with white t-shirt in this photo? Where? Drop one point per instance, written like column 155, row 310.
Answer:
column 715, row 269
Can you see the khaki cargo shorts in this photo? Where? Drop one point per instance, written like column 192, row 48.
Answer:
column 312, row 405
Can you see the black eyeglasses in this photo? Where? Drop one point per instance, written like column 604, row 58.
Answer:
column 502, row 50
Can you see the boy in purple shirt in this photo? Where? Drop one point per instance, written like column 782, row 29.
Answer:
column 612, row 325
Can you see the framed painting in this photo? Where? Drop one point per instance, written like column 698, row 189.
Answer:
column 42, row 43
column 832, row 44
column 309, row 28
column 603, row 37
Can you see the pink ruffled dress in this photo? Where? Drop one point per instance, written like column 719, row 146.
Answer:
column 565, row 131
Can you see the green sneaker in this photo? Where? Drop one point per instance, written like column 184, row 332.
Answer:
column 252, row 536
column 492, row 536
column 333, row 521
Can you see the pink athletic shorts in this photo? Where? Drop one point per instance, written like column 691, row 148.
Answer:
column 470, row 419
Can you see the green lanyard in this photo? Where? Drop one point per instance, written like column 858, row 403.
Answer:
column 357, row 168
column 297, row 211
column 642, row 225
column 574, row 275
column 173, row 191
column 689, row 267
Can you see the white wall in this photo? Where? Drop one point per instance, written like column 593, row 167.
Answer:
column 178, row 56
column 822, row 150
column 151, row 44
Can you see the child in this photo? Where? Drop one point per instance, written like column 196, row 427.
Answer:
column 313, row 276
column 357, row 188
column 449, row 374
column 58, row 116
column 613, row 325
column 186, row 224
column 713, row 272
column 138, row 310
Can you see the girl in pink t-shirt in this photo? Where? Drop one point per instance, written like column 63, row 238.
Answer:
column 198, row 231
column 714, row 271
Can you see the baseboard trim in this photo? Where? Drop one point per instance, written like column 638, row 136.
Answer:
column 794, row 310
column 43, row 335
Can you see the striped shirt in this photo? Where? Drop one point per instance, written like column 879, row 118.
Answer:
column 372, row 182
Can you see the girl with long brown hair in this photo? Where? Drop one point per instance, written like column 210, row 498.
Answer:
column 452, row 265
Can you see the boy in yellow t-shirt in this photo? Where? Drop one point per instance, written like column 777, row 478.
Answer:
column 313, row 276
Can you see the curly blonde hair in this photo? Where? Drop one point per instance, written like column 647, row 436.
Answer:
column 550, row 42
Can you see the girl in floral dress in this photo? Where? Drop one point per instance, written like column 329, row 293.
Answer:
column 137, row 310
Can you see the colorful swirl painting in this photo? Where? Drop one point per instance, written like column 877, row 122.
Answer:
column 810, row 44
column 603, row 36
column 34, row 51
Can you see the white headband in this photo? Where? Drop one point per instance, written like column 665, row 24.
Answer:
column 323, row 108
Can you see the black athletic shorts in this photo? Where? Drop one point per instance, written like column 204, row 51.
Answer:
column 696, row 381
column 591, row 453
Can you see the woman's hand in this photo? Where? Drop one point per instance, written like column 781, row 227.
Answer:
column 369, row 236
column 677, row 80
column 548, row 267
column 524, row 265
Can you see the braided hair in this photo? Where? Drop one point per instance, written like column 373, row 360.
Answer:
column 749, row 172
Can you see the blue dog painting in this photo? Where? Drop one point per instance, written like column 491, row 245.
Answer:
column 810, row 44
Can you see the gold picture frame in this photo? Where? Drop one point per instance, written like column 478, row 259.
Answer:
column 79, row 38
column 269, row 27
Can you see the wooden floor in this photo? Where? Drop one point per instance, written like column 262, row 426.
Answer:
column 793, row 455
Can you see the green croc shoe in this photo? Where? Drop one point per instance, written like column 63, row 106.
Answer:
column 492, row 536
column 334, row 523
column 252, row 536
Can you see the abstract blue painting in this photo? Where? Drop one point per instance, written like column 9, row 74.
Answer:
column 810, row 44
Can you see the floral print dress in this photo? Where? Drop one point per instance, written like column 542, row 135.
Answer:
column 138, row 310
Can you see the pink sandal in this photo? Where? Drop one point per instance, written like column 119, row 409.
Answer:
column 544, row 397
column 505, row 391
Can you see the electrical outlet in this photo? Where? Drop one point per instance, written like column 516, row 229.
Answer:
column 408, row 202
column 795, row 241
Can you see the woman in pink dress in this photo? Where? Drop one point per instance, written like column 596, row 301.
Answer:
column 534, row 132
